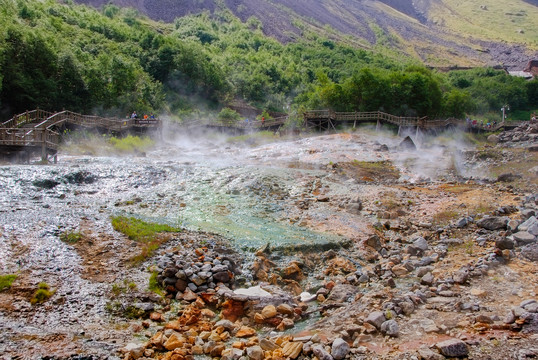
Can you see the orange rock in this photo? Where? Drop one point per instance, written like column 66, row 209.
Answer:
column 209, row 298
column 330, row 285
column 292, row 286
column 258, row 318
column 339, row 265
column 199, row 303
column 232, row 310
column 238, row 345
column 292, row 271
column 208, row 313
column 269, row 311
column 157, row 340
column 245, row 331
column 155, row 316
column 174, row 341
column 275, row 321
column 292, row 350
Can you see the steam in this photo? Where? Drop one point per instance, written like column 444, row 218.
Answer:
column 437, row 155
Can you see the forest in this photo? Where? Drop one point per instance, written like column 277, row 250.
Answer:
column 58, row 55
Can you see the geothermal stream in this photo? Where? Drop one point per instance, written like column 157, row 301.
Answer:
column 245, row 194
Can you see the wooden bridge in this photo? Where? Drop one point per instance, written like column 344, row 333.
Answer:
column 241, row 127
column 39, row 131
column 324, row 120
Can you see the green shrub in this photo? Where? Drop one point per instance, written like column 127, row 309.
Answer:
column 42, row 294
column 70, row 237
column 6, row 281
column 228, row 115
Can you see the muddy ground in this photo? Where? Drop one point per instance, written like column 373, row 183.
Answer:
column 344, row 245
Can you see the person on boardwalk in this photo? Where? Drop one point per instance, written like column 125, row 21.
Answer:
column 133, row 115
column 263, row 120
column 145, row 116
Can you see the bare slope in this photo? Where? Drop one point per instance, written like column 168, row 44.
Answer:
column 438, row 32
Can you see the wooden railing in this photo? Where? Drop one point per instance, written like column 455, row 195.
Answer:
column 36, row 128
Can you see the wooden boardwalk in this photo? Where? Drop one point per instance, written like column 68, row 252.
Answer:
column 38, row 131
column 273, row 124
column 324, row 120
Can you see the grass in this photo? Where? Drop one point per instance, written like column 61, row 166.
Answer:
column 42, row 294
column 370, row 171
column 121, row 288
column 444, row 217
column 70, row 237
column 148, row 234
column 154, row 285
column 80, row 142
column 497, row 21
column 6, row 281
column 131, row 143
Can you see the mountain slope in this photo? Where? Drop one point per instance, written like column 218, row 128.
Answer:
column 438, row 32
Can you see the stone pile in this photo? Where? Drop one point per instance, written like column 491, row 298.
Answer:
column 197, row 332
column 187, row 272
column 526, row 132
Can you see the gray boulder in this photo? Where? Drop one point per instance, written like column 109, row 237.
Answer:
column 390, row 328
column 339, row 349
column 376, row 318
column 452, row 348
column 493, row 222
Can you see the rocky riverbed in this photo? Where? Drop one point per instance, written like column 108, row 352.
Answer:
column 337, row 246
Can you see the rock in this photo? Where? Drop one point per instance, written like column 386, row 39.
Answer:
column 174, row 341
column 508, row 177
column 407, row 144
column 255, row 353
column 268, row 345
column 255, row 291
column 427, row 354
column 390, row 328
column 223, row 276
column 285, row 309
column 269, row 311
column 527, row 224
column 493, row 222
column 216, row 351
column 320, row 352
column 461, row 223
column 452, row 348
column 292, row 350
column 524, row 238
column 530, row 252
column 181, row 285
column 231, row 354
column 504, row 243
column 376, row 318
column 226, row 324
column 245, row 331
column 306, row 297
column 399, row 270
column 427, row 279
column 478, row 292
column 492, row 138
column 342, row 293
column 292, row 271
column 339, row 349
column 134, row 350
column 460, row 277
column 189, row 295
column 428, row 326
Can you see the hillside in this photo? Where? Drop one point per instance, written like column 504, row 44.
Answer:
column 438, row 32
